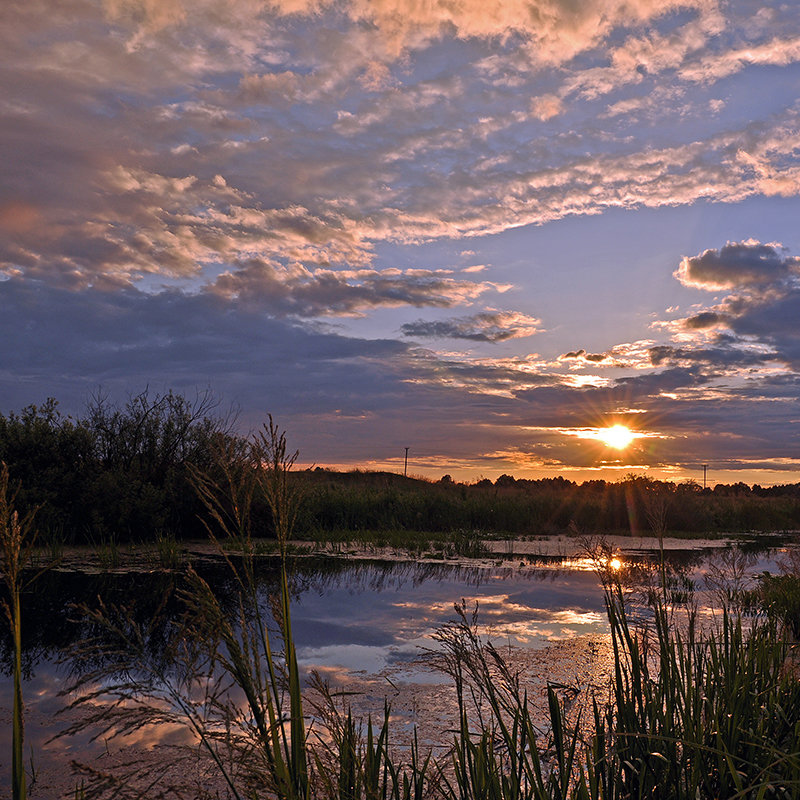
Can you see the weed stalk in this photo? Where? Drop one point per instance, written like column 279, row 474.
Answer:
column 17, row 539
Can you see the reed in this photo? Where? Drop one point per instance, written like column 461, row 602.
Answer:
column 689, row 712
column 168, row 552
column 17, row 538
column 780, row 594
column 699, row 713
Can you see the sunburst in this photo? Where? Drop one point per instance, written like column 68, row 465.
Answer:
column 617, row 436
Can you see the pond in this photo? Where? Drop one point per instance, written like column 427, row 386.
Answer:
column 364, row 625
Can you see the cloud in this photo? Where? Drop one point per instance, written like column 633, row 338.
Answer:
column 66, row 343
column 755, row 324
column 704, row 320
column 351, row 400
column 18, row 217
column 171, row 142
column 714, row 360
column 546, row 107
column 748, row 264
column 777, row 51
column 489, row 326
column 726, row 383
column 751, row 335
column 552, row 30
column 190, row 189
column 772, row 179
column 582, row 357
column 301, row 292
column 652, row 53
column 628, row 355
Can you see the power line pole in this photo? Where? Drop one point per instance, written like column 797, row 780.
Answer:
column 705, row 468
column 405, row 465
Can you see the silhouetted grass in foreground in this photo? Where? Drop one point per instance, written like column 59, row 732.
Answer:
column 688, row 713
column 17, row 537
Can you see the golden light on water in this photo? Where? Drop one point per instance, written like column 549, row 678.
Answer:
column 617, row 436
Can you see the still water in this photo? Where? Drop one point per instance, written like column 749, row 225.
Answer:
column 362, row 622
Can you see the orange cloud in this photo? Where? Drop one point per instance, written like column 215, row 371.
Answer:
column 18, row 217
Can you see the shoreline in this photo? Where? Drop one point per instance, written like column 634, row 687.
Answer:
column 146, row 557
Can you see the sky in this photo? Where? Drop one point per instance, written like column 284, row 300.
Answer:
column 484, row 230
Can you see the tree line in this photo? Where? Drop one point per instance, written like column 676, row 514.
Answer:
column 637, row 505
column 124, row 471
column 120, row 471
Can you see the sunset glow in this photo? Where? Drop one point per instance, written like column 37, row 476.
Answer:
column 471, row 229
column 617, row 436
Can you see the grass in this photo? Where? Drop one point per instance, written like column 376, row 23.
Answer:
column 169, row 552
column 108, row 553
column 16, row 539
column 688, row 713
column 458, row 543
column 707, row 715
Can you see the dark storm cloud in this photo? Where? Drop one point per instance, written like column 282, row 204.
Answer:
column 57, row 342
column 758, row 322
column 491, row 326
column 706, row 319
column 738, row 265
column 715, row 359
column 773, row 317
column 345, row 398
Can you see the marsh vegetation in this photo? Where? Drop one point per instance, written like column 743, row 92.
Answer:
column 123, row 473
column 693, row 706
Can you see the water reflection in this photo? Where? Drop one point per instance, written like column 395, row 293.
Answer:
column 367, row 618
column 382, row 610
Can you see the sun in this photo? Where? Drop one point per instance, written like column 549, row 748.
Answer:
column 617, row 436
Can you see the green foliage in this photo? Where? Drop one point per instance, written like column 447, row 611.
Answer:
column 169, row 552
column 141, row 454
column 51, row 457
column 119, row 473
column 780, row 595
column 108, row 555
column 123, row 471
column 382, row 504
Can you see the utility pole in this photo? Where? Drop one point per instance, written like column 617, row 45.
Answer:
column 705, row 468
column 405, row 465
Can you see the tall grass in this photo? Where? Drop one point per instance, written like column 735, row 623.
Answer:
column 232, row 679
column 700, row 715
column 17, row 540
column 689, row 714
column 689, row 711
